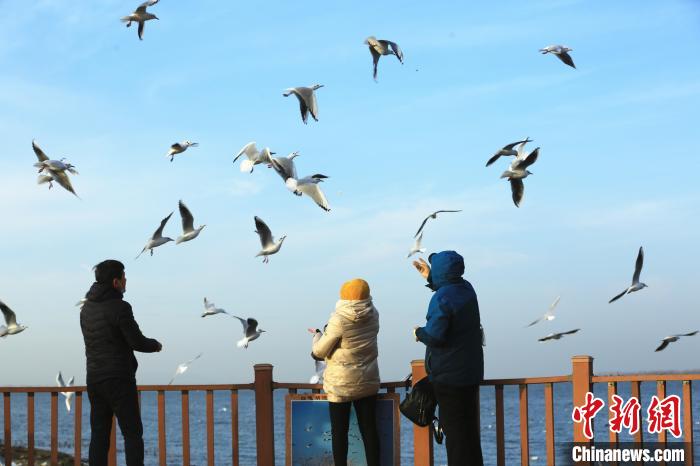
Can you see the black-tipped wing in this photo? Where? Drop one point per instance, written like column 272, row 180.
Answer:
column 529, row 160
column 394, row 48
column 252, row 327
column 141, row 25
column 493, row 159
column 375, row 60
column 187, row 219
column 517, row 188
column 263, row 232
column 422, row 225
column 663, row 345
column 9, row 314
column 513, row 144
column 39, row 153
column 566, row 58
column 688, row 334
column 638, row 265
column 570, row 332
column 159, row 232
column 618, row 296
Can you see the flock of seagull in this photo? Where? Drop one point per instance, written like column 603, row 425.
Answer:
column 58, row 171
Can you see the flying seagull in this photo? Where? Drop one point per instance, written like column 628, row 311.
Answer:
column 549, row 315
column 636, row 284
column 561, row 52
column 254, row 157
column 140, row 16
column 157, row 239
column 665, row 342
column 508, row 149
column 54, row 170
column 188, row 230
column 10, row 327
column 182, row 368
column 81, row 303
column 309, row 186
column 518, row 171
column 382, row 47
column 417, row 246
column 433, row 216
column 250, row 331
column 179, row 148
column 210, row 309
column 319, row 366
column 307, row 100
column 62, row 384
column 557, row 336
column 285, row 166
column 269, row 245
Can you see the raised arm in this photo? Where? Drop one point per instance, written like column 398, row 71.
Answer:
column 132, row 333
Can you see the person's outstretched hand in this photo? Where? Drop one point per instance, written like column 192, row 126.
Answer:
column 422, row 267
column 160, row 347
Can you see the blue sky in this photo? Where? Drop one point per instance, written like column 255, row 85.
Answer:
column 617, row 170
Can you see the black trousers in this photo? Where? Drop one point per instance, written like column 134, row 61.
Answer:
column 366, row 411
column 459, row 417
column 115, row 397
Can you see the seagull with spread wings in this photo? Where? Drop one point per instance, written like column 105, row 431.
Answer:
column 157, row 239
column 557, row 336
column 309, row 185
column 140, row 16
column 210, row 309
column 379, row 47
column 285, row 167
column 561, row 52
column 189, row 232
column 307, row 100
column 433, row 216
column 62, row 384
column 269, row 245
column 179, row 148
column 182, row 368
column 54, row 170
column 518, row 171
column 666, row 341
column 636, row 284
column 11, row 327
column 549, row 315
column 253, row 156
column 250, row 331
column 417, row 246
column 508, row 149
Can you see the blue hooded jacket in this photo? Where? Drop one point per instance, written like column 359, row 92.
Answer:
column 452, row 334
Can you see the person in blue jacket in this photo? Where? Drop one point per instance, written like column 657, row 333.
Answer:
column 454, row 358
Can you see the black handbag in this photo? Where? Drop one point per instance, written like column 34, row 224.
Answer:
column 420, row 403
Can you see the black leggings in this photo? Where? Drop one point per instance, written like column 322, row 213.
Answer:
column 365, row 409
column 459, row 417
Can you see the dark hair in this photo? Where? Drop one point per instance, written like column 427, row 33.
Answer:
column 107, row 271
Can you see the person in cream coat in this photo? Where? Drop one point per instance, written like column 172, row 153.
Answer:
column 349, row 347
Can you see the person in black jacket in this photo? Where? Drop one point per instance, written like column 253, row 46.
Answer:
column 454, row 358
column 111, row 336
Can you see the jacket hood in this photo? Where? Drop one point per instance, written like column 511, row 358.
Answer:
column 446, row 267
column 355, row 310
column 103, row 292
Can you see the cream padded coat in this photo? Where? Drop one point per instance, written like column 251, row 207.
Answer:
column 349, row 346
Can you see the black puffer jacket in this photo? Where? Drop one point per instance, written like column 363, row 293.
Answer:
column 111, row 335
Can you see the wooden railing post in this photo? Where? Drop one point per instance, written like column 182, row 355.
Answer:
column 264, row 415
column 422, row 436
column 581, row 373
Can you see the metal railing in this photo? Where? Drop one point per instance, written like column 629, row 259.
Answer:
column 581, row 379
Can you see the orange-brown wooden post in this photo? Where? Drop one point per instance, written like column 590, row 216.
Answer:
column 581, row 373
column 54, row 427
column 8, row 427
column 422, row 438
column 30, row 428
column 264, row 415
column 77, row 429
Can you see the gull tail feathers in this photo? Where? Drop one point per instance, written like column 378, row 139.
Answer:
column 242, row 343
column 247, row 166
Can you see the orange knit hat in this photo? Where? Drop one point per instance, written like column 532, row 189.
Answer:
column 355, row 289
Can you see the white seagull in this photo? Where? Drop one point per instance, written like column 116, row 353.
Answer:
column 140, row 16
column 182, row 368
column 319, row 366
column 55, row 170
column 307, row 100
column 250, row 331
column 561, row 52
column 557, row 336
column 81, row 303
column 179, row 148
column 269, row 245
column 10, row 327
column 518, row 171
column 549, row 315
column 210, row 309
column 433, row 216
column 188, row 230
column 309, row 186
column 285, row 166
column 508, row 149
column 157, row 239
column 636, row 284
column 666, row 341
column 382, row 47
column 417, row 246
column 254, row 157
column 62, row 384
